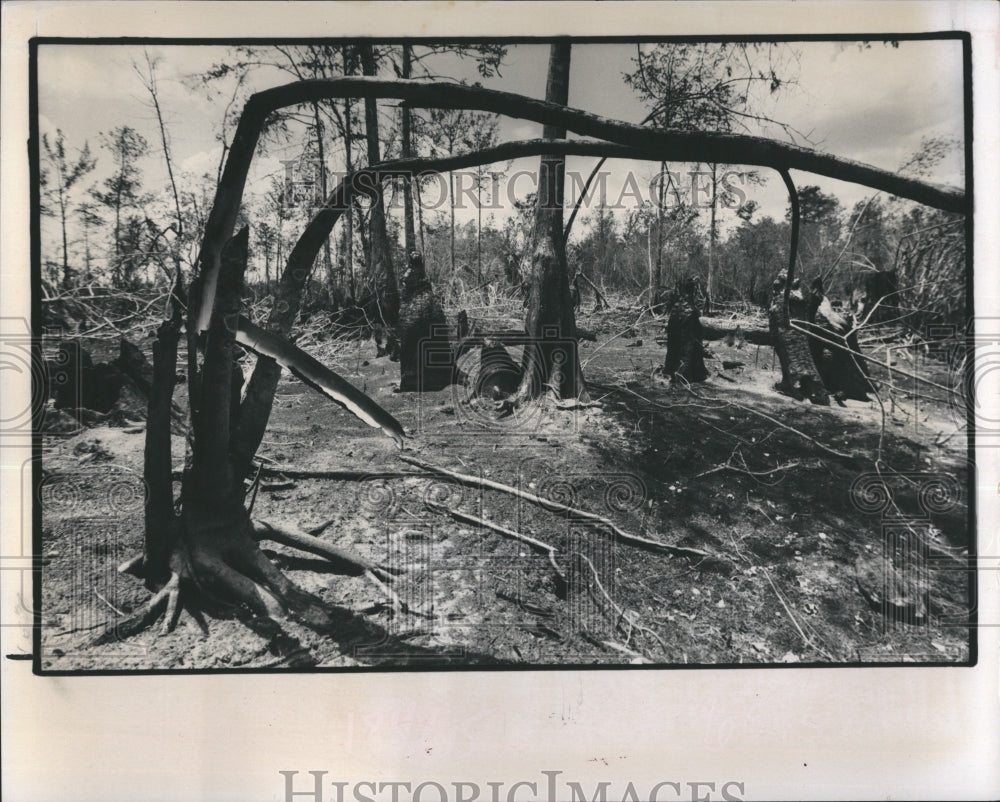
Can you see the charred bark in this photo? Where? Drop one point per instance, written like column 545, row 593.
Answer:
column 426, row 362
column 381, row 272
column 685, row 356
column 551, row 358
column 843, row 374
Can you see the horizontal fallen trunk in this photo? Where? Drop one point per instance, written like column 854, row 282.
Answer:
column 700, row 146
column 712, row 331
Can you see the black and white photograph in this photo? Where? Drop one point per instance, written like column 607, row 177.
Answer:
column 483, row 356
column 503, row 354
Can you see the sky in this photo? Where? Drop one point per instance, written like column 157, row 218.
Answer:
column 873, row 105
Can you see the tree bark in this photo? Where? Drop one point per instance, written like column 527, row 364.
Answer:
column 709, row 284
column 551, row 357
column 409, row 233
column 349, row 164
column 382, row 275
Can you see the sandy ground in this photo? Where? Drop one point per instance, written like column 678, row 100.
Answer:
column 807, row 563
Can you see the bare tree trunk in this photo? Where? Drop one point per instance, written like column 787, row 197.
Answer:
column 67, row 274
column 409, row 235
column 658, row 273
column 381, row 270
column 551, row 359
column 324, row 191
column 153, row 90
column 420, row 218
column 451, row 228
column 479, row 225
column 349, row 164
column 709, row 290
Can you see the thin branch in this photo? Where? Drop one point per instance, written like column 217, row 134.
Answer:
column 548, row 504
column 785, row 426
column 482, row 523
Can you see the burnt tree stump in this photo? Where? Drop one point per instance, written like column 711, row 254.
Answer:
column 685, row 353
column 843, row 374
column 426, row 356
column 799, row 377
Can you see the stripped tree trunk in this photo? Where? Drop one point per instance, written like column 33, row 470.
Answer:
column 381, row 272
column 551, row 359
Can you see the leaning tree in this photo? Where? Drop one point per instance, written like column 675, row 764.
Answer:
column 205, row 539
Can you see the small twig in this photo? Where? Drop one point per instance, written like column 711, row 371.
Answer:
column 776, row 422
column 793, row 619
column 398, row 604
column 614, row 337
column 101, row 597
column 755, row 474
column 619, row 610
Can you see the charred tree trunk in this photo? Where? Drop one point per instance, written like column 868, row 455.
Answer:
column 685, row 357
column 799, row 377
column 425, row 349
column 210, row 545
column 380, row 267
column 409, row 233
column 551, row 358
column 349, row 164
column 844, row 375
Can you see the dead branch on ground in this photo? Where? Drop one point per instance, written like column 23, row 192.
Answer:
column 577, row 514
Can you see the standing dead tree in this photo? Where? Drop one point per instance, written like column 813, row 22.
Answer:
column 551, row 358
column 212, row 543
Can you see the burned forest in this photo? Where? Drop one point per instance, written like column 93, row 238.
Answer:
column 439, row 354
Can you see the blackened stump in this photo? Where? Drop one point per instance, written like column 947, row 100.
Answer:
column 685, row 353
column 799, row 377
column 843, row 374
column 425, row 353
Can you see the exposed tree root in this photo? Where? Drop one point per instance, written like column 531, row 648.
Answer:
column 243, row 576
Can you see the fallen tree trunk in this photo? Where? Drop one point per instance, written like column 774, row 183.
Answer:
column 699, row 146
column 757, row 335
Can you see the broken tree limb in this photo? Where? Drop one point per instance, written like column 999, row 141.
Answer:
column 684, row 146
column 286, row 536
column 343, row 475
column 597, row 292
column 555, row 506
column 832, row 451
column 727, row 466
column 756, row 335
column 482, row 523
column 318, row 376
